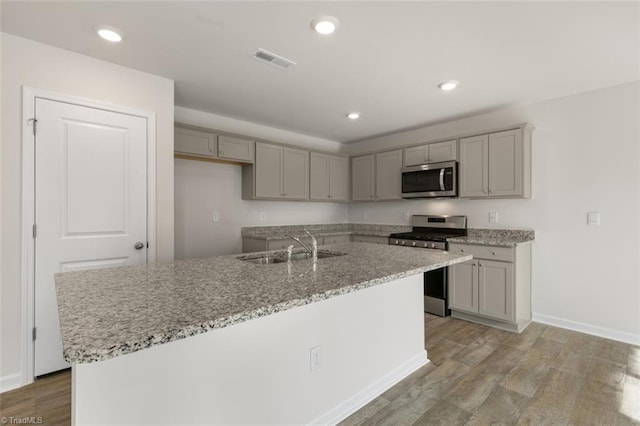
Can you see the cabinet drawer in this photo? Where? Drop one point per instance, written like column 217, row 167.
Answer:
column 504, row 254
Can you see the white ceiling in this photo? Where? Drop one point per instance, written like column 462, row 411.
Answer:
column 385, row 60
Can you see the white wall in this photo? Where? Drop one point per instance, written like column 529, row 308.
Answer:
column 586, row 158
column 202, row 188
column 37, row 65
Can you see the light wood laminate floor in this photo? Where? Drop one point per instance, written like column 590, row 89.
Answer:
column 477, row 376
column 483, row 376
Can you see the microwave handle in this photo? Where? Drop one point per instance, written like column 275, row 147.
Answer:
column 442, row 179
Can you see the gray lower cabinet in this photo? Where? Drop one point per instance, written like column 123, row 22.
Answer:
column 494, row 288
column 370, row 239
column 328, row 177
column 279, row 172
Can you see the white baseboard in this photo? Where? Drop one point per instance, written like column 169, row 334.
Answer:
column 10, row 382
column 362, row 398
column 595, row 330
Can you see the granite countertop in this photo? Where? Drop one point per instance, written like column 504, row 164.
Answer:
column 105, row 313
column 491, row 237
column 280, row 232
column 495, row 237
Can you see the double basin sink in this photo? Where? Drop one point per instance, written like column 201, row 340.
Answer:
column 281, row 257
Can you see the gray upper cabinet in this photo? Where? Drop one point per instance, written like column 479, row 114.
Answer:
column 328, row 177
column 496, row 165
column 377, row 176
column 212, row 145
column 474, row 166
column 280, row 173
column 388, row 175
column 268, row 171
column 295, row 174
column 431, row 153
column 235, row 148
column 195, row 142
column 362, row 178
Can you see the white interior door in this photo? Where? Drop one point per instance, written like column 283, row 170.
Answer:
column 90, row 204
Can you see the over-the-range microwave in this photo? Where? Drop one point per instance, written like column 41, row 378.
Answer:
column 433, row 180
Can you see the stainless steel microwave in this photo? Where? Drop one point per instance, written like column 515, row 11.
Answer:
column 431, row 180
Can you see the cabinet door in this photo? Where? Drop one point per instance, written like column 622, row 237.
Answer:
column 268, row 171
column 463, row 286
column 505, row 164
column 194, row 142
column 319, row 182
column 338, row 178
column 496, row 289
column 443, row 151
column 235, row 148
column 362, row 178
column 388, row 175
column 296, row 174
column 473, row 170
column 416, row 155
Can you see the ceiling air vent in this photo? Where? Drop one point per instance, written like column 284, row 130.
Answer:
column 273, row 59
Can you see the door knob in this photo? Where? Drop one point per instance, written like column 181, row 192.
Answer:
column 138, row 245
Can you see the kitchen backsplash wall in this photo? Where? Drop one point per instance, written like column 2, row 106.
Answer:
column 202, row 188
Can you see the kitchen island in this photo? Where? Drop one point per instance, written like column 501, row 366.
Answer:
column 224, row 340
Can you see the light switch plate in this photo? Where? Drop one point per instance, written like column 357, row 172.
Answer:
column 593, row 218
column 263, row 216
column 215, row 217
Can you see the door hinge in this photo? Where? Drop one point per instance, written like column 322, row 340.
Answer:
column 34, row 122
column 35, row 230
column 33, row 333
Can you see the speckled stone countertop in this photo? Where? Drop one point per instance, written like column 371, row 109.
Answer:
column 279, row 232
column 105, row 313
column 496, row 237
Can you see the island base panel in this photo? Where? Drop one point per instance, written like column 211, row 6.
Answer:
column 259, row 371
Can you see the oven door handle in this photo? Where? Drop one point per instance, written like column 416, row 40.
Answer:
column 442, row 179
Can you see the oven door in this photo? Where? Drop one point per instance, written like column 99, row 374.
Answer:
column 430, row 180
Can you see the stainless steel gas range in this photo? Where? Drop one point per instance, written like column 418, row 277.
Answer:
column 431, row 232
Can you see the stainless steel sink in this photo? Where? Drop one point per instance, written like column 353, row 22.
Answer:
column 281, row 257
column 306, row 255
column 264, row 260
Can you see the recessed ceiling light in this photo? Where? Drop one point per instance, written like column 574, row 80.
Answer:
column 324, row 24
column 353, row 115
column 448, row 85
column 111, row 34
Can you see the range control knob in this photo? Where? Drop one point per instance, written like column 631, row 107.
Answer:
column 396, row 242
column 425, row 245
column 432, row 245
column 413, row 243
column 402, row 242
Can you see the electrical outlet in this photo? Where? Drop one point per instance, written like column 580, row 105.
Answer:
column 365, row 215
column 493, row 217
column 263, row 216
column 215, row 217
column 593, row 218
column 406, row 215
column 315, row 357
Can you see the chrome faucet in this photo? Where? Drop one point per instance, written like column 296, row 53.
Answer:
column 313, row 250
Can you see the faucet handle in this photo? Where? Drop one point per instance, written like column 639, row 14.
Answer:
column 313, row 239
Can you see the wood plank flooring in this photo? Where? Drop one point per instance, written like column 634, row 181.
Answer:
column 483, row 376
column 477, row 376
